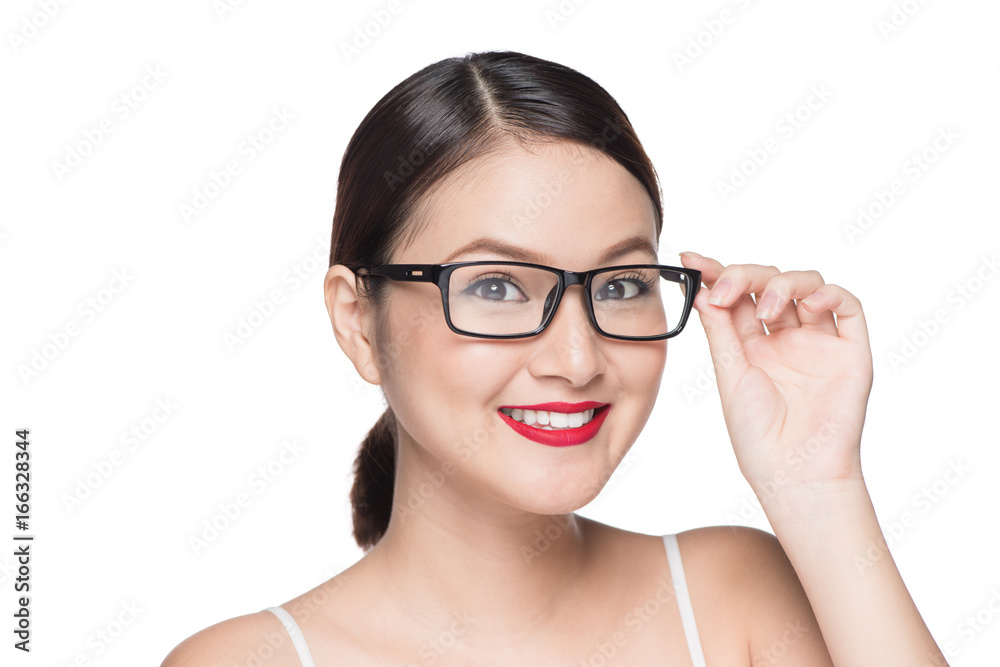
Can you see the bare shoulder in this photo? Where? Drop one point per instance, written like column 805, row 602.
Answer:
column 743, row 575
column 248, row 639
column 735, row 551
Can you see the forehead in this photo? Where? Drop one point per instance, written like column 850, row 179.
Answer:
column 563, row 202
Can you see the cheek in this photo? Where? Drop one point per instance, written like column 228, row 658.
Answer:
column 654, row 360
column 657, row 360
column 413, row 320
column 639, row 370
column 462, row 371
column 640, row 365
column 434, row 371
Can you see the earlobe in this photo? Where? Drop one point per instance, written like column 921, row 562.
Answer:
column 350, row 317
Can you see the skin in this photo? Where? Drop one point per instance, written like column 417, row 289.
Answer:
column 462, row 564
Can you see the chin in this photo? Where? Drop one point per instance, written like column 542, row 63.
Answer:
column 557, row 494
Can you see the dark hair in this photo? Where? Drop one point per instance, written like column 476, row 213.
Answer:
column 433, row 122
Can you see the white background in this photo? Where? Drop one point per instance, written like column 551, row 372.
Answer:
column 63, row 234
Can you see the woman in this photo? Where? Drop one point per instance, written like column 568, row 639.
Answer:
column 476, row 203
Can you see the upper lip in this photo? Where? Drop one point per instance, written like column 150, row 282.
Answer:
column 560, row 406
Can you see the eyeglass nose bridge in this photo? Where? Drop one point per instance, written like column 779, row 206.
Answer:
column 566, row 280
column 575, row 278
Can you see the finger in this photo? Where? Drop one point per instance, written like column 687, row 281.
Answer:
column 787, row 318
column 821, row 321
column 851, row 324
column 734, row 285
column 776, row 305
column 742, row 308
column 724, row 342
column 741, row 279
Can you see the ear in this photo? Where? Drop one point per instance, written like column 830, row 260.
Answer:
column 351, row 317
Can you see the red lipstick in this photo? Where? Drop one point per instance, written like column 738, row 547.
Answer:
column 560, row 437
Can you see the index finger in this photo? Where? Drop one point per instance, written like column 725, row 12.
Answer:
column 738, row 279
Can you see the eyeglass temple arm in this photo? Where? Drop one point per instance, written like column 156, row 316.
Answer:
column 421, row 273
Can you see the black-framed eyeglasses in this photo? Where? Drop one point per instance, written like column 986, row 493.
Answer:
column 487, row 299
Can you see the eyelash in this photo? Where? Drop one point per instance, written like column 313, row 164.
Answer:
column 646, row 284
column 635, row 277
column 478, row 280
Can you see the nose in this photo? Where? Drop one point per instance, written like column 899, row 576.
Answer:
column 570, row 346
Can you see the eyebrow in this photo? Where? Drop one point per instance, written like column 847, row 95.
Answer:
column 519, row 254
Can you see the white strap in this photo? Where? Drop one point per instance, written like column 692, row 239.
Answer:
column 683, row 600
column 298, row 639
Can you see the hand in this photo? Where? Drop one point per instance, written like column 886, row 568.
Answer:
column 794, row 396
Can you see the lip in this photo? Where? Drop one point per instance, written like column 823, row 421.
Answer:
column 562, row 437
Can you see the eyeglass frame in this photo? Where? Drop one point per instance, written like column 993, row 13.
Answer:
column 440, row 274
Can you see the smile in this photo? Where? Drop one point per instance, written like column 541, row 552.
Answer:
column 549, row 420
column 556, row 424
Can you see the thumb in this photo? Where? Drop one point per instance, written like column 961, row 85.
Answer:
column 724, row 341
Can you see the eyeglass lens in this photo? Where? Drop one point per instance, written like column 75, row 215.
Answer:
column 497, row 299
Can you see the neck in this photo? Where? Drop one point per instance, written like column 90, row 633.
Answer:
column 453, row 554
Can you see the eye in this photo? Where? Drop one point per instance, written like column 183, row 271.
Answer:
column 495, row 288
column 622, row 287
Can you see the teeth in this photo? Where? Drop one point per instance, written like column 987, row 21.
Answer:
column 549, row 420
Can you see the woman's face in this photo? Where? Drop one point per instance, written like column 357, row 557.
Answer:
column 563, row 205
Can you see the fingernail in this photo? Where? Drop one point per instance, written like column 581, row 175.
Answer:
column 811, row 299
column 766, row 306
column 720, row 292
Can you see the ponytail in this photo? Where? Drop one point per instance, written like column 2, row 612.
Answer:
column 374, row 477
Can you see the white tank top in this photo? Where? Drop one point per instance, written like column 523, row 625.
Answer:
column 676, row 574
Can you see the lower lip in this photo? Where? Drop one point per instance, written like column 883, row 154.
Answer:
column 561, row 437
